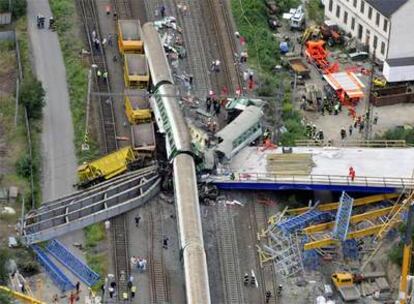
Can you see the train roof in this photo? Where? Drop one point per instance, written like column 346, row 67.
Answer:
column 136, row 64
column 157, row 60
column 130, row 29
column 250, row 116
column 139, row 99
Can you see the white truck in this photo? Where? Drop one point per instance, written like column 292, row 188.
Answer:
column 296, row 18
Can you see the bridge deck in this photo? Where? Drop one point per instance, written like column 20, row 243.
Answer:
column 313, row 168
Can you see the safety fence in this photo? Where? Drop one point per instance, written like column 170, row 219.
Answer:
column 314, row 179
column 352, row 143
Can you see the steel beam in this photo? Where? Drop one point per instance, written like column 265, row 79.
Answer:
column 354, row 219
column 351, row 235
column 357, row 202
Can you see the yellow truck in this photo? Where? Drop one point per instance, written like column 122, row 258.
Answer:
column 344, row 283
column 108, row 166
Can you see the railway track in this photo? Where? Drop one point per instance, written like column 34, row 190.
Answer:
column 118, row 224
column 267, row 278
column 123, row 9
column 91, row 24
column 227, row 245
column 120, row 243
column 158, row 275
column 227, row 47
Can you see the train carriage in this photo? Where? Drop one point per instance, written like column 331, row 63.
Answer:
column 137, row 106
column 136, row 74
column 130, row 37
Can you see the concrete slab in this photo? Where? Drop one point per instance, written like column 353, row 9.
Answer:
column 382, row 162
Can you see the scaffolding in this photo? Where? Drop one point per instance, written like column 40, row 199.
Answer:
column 343, row 217
column 301, row 221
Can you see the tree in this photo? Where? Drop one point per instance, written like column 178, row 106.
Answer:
column 18, row 7
column 32, row 97
column 4, row 257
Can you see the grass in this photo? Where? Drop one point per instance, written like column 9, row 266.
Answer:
column 95, row 234
column 315, row 11
column 67, row 23
column 264, row 55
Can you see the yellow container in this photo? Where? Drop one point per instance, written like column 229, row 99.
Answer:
column 137, row 107
column 136, row 72
column 130, row 37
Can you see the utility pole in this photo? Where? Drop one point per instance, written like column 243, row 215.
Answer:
column 368, row 106
column 85, row 145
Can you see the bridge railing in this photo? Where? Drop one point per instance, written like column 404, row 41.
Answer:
column 375, row 143
column 360, row 181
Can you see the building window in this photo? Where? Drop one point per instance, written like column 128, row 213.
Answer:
column 367, row 36
column 338, row 11
column 375, row 43
column 369, row 13
column 383, row 48
column 352, row 23
column 360, row 29
column 355, row 3
column 330, row 5
column 377, row 19
column 345, row 17
column 362, row 8
column 385, row 25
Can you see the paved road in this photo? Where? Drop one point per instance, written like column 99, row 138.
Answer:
column 58, row 152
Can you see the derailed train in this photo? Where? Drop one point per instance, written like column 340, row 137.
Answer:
column 171, row 122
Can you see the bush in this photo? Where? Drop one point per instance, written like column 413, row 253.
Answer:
column 400, row 133
column 23, row 166
column 32, row 97
column 18, row 7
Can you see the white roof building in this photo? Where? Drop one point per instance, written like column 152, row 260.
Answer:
column 384, row 25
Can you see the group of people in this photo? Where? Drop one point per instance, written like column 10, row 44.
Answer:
column 359, row 123
column 40, row 20
column 212, row 100
column 313, row 133
column 112, row 288
column 98, row 43
column 139, row 262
